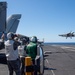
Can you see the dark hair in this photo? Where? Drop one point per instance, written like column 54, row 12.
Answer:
column 12, row 35
column 3, row 31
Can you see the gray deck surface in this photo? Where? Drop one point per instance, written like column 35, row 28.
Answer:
column 59, row 60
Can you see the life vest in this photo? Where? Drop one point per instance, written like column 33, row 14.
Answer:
column 31, row 50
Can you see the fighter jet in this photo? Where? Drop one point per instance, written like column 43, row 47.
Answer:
column 7, row 25
column 11, row 26
column 70, row 34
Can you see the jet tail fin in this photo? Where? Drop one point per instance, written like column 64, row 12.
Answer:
column 3, row 10
column 12, row 23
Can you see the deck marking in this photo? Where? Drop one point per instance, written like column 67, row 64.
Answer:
column 51, row 70
column 65, row 47
column 69, row 48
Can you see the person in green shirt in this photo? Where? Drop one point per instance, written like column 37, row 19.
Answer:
column 31, row 48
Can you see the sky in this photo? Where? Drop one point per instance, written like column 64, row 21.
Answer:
column 45, row 19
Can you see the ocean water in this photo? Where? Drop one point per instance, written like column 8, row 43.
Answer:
column 59, row 43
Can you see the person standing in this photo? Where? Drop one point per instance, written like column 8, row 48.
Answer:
column 22, row 54
column 12, row 56
column 31, row 48
column 31, row 51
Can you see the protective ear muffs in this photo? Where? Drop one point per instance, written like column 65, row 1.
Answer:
column 36, row 40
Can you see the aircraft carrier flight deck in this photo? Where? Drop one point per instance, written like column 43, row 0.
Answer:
column 58, row 60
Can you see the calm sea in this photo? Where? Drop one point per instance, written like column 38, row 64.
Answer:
column 59, row 43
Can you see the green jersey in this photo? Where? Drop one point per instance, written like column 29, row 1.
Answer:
column 31, row 50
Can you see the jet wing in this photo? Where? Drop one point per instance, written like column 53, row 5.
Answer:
column 22, row 36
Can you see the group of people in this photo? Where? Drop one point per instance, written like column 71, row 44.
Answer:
column 16, row 53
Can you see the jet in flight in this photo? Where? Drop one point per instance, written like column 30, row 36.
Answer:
column 70, row 34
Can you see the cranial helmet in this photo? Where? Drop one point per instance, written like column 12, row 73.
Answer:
column 33, row 39
column 10, row 35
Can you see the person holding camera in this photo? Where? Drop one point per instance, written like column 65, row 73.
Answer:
column 12, row 56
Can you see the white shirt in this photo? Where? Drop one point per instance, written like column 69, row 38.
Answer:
column 21, row 51
column 11, row 54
